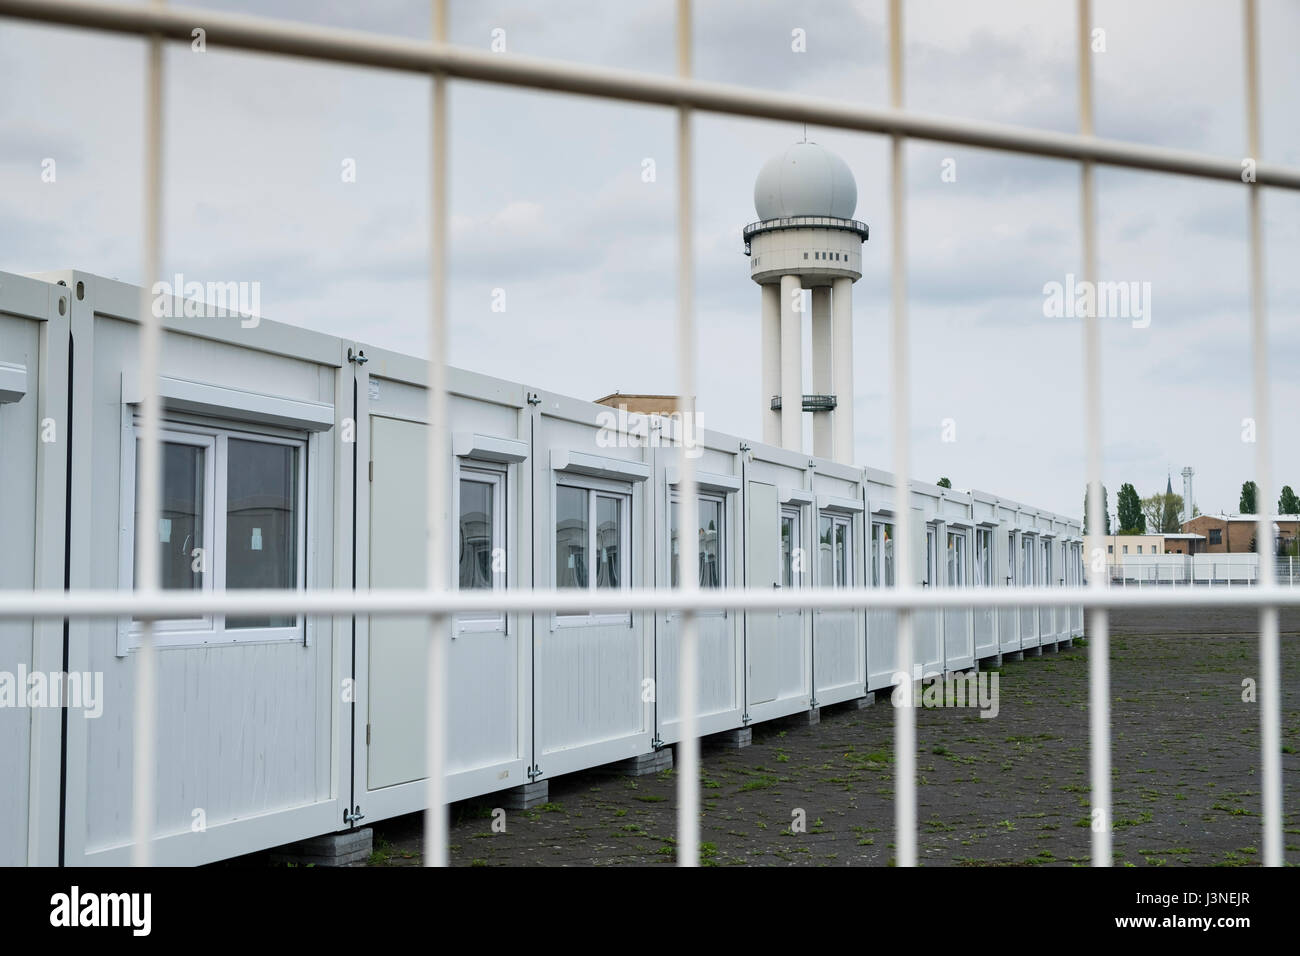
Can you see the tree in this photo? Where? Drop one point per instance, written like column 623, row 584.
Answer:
column 1131, row 518
column 1163, row 513
column 1249, row 492
column 1169, row 514
column 944, row 483
column 1105, row 508
column 1153, row 509
column 1288, row 503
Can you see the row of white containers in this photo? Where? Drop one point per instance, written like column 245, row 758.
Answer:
column 273, row 731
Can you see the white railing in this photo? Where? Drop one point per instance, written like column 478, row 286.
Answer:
column 1210, row 570
column 442, row 62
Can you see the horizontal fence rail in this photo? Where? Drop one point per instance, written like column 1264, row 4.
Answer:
column 332, row 602
column 266, row 35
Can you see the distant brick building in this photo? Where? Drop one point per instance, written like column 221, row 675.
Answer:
column 1233, row 534
column 1185, row 543
column 642, row 404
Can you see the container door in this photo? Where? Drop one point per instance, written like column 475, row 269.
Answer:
column 398, row 646
column 763, row 560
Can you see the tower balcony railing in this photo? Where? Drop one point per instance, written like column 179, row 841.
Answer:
column 811, row 403
column 804, row 222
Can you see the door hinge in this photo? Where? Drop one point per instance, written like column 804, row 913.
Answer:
column 367, row 735
column 371, row 469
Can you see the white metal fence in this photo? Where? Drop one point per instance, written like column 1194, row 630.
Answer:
column 1208, row 570
column 442, row 63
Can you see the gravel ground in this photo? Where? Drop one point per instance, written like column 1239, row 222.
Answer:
column 1012, row 790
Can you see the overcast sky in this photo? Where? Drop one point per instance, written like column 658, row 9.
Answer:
column 548, row 204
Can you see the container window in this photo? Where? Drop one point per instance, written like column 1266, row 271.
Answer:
column 593, row 543
column 233, row 517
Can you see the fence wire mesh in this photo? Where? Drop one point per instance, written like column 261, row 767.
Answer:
column 443, row 62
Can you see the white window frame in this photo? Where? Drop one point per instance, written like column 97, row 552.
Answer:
column 1028, row 563
column 797, row 573
column 129, row 628
column 495, row 477
column 837, row 519
column 931, row 555
column 960, row 557
column 1013, row 561
column 982, row 567
column 724, row 540
column 596, row 488
column 877, row 557
column 214, row 437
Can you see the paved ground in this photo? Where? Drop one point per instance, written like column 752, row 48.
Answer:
column 1012, row 790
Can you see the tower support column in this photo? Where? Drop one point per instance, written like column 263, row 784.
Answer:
column 822, row 384
column 771, row 368
column 792, row 363
column 842, row 368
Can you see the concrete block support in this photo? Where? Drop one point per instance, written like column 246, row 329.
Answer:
column 525, row 797
column 804, row 718
column 731, row 739
column 345, row 848
column 643, row 765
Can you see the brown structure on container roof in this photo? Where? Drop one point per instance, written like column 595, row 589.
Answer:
column 1234, row 534
column 1184, row 543
column 641, row 404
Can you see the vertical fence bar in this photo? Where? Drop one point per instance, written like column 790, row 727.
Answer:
column 1098, row 619
column 149, row 474
column 688, row 745
column 437, row 452
column 1270, row 715
column 904, row 715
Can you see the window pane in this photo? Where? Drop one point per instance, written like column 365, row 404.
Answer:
column 825, row 554
column 674, row 545
column 182, row 558
column 476, row 530
column 841, row 554
column 570, row 537
column 888, row 556
column 710, row 544
column 261, row 522
column 609, row 527
column 787, row 550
